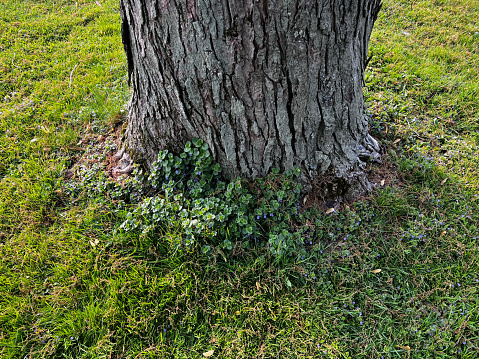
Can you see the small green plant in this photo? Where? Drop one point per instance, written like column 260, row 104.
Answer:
column 187, row 191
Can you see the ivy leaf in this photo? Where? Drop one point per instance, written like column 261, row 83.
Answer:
column 206, row 249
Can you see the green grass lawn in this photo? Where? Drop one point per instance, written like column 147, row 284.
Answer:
column 72, row 285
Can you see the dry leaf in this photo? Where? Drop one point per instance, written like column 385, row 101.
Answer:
column 396, row 141
column 443, row 181
column 257, row 286
column 68, row 174
column 222, row 254
column 208, row 353
column 406, row 347
column 45, row 129
column 376, row 271
column 443, row 233
column 237, row 312
column 382, row 182
column 305, row 199
column 331, row 210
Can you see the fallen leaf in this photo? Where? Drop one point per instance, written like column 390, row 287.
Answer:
column 222, row 254
column 208, row 353
column 257, row 286
column 331, row 210
column 443, row 233
column 376, row 271
column 95, row 242
column 237, row 312
column 45, row 129
column 443, row 181
column 305, row 199
column 406, row 347
column 396, row 141
column 382, row 183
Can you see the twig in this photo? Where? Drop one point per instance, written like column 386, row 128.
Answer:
column 71, row 75
column 414, row 131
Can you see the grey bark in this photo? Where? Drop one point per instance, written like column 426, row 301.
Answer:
column 266, row 83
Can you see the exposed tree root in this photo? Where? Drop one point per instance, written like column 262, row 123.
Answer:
column 337, row 188
column 360, row 185
column 125, row 164
column 369, row 150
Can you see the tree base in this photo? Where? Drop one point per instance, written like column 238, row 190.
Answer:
column 359, row 184
column 332, row 186
column 124, row 163
column 336, row 187
column 369, row 150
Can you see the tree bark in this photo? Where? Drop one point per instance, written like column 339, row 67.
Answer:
column 266, row 83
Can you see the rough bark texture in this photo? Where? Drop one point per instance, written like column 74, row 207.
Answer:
column 266, row 83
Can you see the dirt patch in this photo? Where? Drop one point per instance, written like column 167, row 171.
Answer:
column 379, row 174
column 99, row 149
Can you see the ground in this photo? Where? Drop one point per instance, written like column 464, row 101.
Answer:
column 74, row 286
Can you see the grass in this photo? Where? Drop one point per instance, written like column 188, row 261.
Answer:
column 72, row 287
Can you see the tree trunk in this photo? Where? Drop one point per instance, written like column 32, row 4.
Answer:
column 266, row 83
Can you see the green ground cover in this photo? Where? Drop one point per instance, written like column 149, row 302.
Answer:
column 74, row 285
